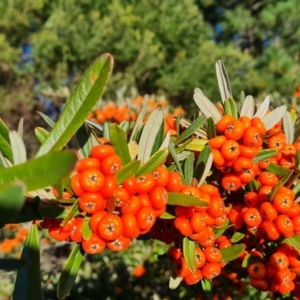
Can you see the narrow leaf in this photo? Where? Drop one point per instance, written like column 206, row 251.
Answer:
column 277, row 170
column 236, row 237
column 12, row 197
column 86, row 230
column 70, row 270
column 94, row 125
column 190, row 130
column 166, row 141
column 118, row 141
column 149, row 134
column 189, row 168
column 167, row 215
column 159, row 139
column 274, row 117
column 129, row 170
column 83, row 139
column 211, row 128
column 175, row 158
column 204, row 160
column 155, row 160
column 189, row 253
column 230, row 108
column 41, row 172
column 29, row 275
column 264, row 154
column 4, row 131
column 248, row 107
column 41, row 134
column 196, row 145
column 288, row 127
column 223, row 81
column 18, row 148
column 48, row 120
column 83, row 99
column 185, row 200
column 6, row 149
column 206, row 106
column 232, row 252
column 174, row 281
column 263, row 108
column 21, row 127
column 139, row 122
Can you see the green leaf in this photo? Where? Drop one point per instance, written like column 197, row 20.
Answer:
column 249, row 259
column 206, row 286
column 206, row 106
column 11, row 264
column 196, row 145
column 274, row 117
column 69, row 272
column 248, row 107
column 221, row 229
column 293, row 241
column 204, row 163
column 52, row 211
column 118, row 141
column 83, row 139
column 237, row 236
column 296, row 188
column 174, row 281
column 190, row 130
column 4, row 131
column 155, row 160
column 159, row 139
column 189, row 168
column 185, row 200
column 41, row 134
column 48, row 120
column 42, row 171
column 6, row 149
column 166, row 215
column 211, row 128
column 12, row 197
column 149, row 134
column 129, row 170
column 29, row 275
column 86, row 230
column 83, row 99
column 232, row 252
column 264, row 154
column 277, row 170
column 223, row 81
column 189, row 253
column 175, row 158
column 74, row 211
column 18, row 148
column 230, row 108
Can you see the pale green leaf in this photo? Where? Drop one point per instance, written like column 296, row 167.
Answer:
column 41, row 134
column 248, row 107
column 274, row 117
column 18, row 148
column 263, row 108
column 223, row 81
column 189, row 253
column 185, row 200
column 288, row 127
column 206, row 106
column 149, row 134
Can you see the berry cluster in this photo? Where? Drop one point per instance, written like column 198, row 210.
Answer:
column 116, row 213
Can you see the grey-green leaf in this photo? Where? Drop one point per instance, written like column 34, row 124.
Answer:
column 288, row 127
column 83, row 99
column 263, row 108
column 223, row 81
column 206, row 106
column 189, row 253
column 274, row 117
column 248, row 107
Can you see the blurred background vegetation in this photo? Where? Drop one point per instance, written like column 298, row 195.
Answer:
column 165, row 47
